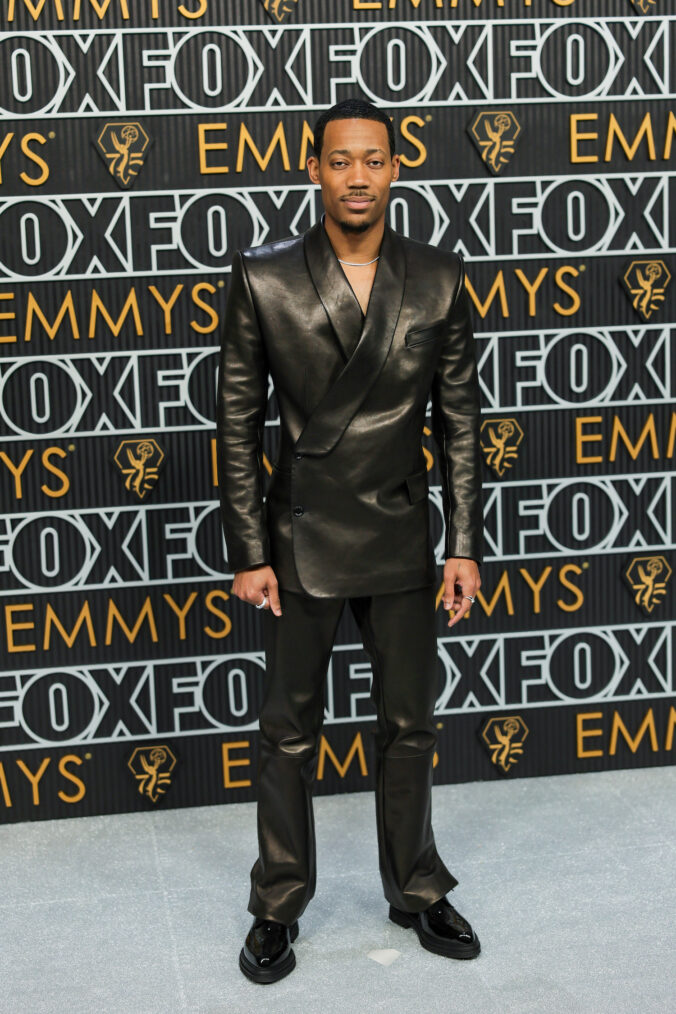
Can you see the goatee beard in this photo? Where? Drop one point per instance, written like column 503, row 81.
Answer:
column 354, row 227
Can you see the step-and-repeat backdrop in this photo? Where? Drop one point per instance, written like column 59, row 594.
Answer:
column 142, row 142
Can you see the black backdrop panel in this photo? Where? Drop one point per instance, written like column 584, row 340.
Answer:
column 141, row 144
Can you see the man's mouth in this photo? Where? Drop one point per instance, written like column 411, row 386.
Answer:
column 358, row 203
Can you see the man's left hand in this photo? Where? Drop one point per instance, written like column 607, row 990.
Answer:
column 461, row 578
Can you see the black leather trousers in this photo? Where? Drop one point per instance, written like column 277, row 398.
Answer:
column 398, row 633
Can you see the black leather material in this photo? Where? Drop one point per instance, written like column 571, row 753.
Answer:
column 426, row 334
column 441, row 929
column 352, row 395
column 398, row 632
column 267, row 955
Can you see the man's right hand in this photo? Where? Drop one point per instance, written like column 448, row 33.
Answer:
column 252, row 584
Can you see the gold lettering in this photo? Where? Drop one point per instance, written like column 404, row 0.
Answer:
column 115, row 326
column 615, row 131
column 5, row 787
column 583, row 733
column 11, row 625
column 586, row 438
column 356, row 748
column 34, row 778
column 33, row 309
column 34, row 9
column 71, row 758
column 50, row 467
column 181, row 613
column 570, row 568
column 193, row 14
column 669, row 136
column 100, row 8
column 576, row 136
column 233, row 762
column 216, row 593
column 209, row 310
column 6, row 339
column 246, row 140
column 3, row 149
column 17, row 470
column 648, row 724
column 52, row 620
column 531, row 287
column 498, row 288
column 145, row 613
column 34, row 181
column 536, row 586
column 204, row 146
column 567, row 269
column 647, row 431
column 671, row 725
column 502, row 586
column 671, row 439
column 412, row 139
column 167, row 306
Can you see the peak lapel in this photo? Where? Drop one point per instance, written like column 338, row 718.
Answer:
column 327, row 423
column 333, row 288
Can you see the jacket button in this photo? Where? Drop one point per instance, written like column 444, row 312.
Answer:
column 298, row 456
column 298, row 511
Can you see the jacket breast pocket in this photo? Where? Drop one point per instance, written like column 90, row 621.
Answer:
column 421, row 335
column 417, row 485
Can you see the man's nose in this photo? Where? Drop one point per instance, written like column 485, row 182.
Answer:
column 357, row 176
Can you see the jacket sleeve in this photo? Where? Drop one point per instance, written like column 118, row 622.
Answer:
column 456, row 422
column 240, row 417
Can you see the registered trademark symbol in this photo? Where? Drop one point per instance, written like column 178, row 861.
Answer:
column 440, row 725
column 88, row 756
column 71, row 447
column 585, row 564
column 51, row 135
column 220, row 283
column 583, row 267
column 428, row 117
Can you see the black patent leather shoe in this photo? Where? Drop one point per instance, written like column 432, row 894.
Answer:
column 267, row 954
column 440, row 929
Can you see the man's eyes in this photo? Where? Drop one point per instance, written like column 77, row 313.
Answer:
column 372, row 162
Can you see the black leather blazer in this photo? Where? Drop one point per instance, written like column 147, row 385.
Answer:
column 346, row 511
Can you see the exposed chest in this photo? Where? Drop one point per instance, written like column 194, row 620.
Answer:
column 361, row 281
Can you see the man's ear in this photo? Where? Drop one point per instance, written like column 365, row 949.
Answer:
column 313, row 168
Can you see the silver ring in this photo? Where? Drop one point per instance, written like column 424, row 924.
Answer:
column 261, row 605
column 472, row 600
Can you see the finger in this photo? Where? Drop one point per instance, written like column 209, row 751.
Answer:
column 460, row 612
column 273, row 592
column 449, row 589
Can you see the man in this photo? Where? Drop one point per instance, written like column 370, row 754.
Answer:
column 357, row 327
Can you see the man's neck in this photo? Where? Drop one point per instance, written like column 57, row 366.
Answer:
column 357, row 247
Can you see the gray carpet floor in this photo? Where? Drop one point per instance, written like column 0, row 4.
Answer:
column 570, row 882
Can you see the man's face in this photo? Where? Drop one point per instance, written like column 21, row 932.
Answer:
column 355, row 172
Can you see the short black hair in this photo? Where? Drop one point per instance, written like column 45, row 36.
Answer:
column 351, row 109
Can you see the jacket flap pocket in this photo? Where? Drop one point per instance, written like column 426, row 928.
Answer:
column 426, row 334
column 417, row 486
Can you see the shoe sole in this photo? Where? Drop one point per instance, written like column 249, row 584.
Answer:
column 267, row 975
column 449, row 949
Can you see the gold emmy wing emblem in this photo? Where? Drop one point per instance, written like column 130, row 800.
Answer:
column 123, row 147
column 495, row 135
column 152, row 767
column 500, row 439
column 647, row 577
column 140, row 462
column 504, row 738
column 646, row 282
column 279, row 9
column 644, row 6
